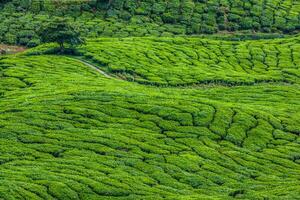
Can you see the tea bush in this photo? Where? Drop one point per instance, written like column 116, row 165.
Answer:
column 192, row 61
column 122, row 18
column 67, row 132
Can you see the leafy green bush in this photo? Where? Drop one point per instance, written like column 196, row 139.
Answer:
column 183, row 62
column 67, row 132
column 178, row 17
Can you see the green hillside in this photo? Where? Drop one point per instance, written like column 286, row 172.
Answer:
column 69, row 133
column 153, row 99
column 20, row 20
column 186, row 61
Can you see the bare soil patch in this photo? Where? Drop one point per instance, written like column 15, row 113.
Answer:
column 9, row 49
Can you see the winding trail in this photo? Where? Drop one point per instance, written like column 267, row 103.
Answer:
column 92, row 66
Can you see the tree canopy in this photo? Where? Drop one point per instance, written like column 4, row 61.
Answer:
column 61, row 32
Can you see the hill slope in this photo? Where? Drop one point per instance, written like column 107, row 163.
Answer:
column 183, row 116
column 20, row 20
column 188, row 61
column 67, row 132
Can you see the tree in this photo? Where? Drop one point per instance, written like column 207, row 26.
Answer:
column 106, row 1
column 60, row 31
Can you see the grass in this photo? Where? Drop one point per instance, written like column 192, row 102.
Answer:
column 67, row 132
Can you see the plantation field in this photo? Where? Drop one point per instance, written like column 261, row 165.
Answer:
column 68, row 132
column 21, row 20
column 192, row 61
column 149, row 99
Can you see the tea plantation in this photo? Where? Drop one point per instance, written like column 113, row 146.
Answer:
column 186, row 61
column 67, row 132
column 175, row 100
column 21, row 19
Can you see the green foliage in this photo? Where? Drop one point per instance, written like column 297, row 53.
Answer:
column 68, row 132
column 157, row 18
column 60, row 31
column 195, row 61
column 172, row 117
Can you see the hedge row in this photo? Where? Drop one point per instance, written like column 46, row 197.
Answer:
column 119, row 18
column 70, row 133
column 197, row 61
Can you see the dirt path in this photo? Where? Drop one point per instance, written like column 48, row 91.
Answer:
column 93, row 67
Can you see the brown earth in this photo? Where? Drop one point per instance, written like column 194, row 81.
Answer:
column 8, row 49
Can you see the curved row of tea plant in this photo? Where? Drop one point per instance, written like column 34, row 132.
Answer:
column 188, row 61
column 209, row 16
column 66, row 132
column 20, row 20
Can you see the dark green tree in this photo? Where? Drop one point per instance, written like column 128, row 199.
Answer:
column 61, row 31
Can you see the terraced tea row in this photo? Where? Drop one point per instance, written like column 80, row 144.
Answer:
column 66, row 132
column 20, row 20
column 180, row 62
column 213, row 15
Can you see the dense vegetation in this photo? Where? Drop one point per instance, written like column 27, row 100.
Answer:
column 126, row 117
column 186, row 61
column 69, row 133
column 19, row 20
